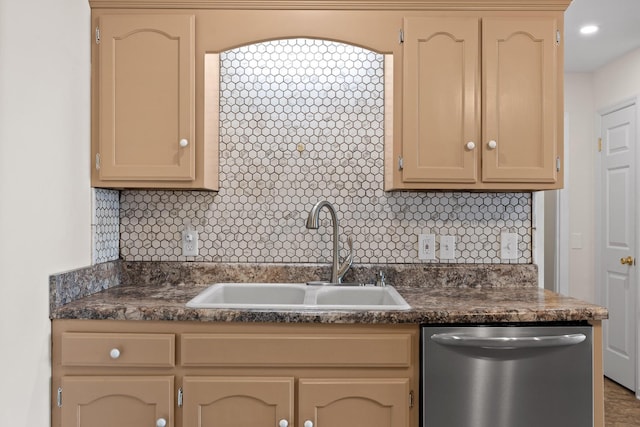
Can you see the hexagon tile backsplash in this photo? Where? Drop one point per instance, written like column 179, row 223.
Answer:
column 301, row 121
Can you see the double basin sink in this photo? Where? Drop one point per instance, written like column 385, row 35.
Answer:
column 298, row 296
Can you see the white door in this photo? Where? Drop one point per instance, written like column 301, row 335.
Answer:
column 618, row 285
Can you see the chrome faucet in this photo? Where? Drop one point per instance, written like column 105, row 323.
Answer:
column 313, row 223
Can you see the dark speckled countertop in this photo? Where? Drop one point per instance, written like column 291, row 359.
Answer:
column 436, row 293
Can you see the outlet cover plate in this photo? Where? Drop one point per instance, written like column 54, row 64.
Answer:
column 190, row 243
column 426, row 246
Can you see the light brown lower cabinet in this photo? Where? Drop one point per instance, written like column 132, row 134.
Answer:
column 191, row 374
column 123, row 401
column 353, row 402
column 237, row 401
column 268, row 402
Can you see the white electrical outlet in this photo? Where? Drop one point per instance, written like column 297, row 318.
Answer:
column 426, row 246
column 190, row 242
column 447, row 247
column 508, row 245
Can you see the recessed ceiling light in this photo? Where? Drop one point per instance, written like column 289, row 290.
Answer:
column 589, row 29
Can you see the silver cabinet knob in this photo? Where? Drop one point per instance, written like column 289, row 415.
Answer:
column 492, row 144
column 308, row 423
column 161, row 422
column 114, row 353
column 283, row 423
column 184, row 142
column 471, row 145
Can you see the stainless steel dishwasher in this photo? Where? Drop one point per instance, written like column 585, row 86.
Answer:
column 507, row 376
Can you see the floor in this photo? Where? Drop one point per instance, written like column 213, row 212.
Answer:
column 621, row 408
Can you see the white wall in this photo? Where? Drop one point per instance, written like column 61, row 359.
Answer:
column 617, row 81
column 45, row 202
column 585, row 94
column 579, row 111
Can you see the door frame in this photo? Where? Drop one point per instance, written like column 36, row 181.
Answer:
column 631, row 101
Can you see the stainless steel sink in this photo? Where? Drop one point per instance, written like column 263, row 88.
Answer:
column 298, row 296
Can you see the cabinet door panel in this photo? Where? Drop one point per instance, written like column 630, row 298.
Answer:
column 441, row 114
column 116, row 401
column 354, row 402
column 237, row 401
column 146, row 93
column 520, row 95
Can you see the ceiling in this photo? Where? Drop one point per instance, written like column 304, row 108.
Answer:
column 619, row 22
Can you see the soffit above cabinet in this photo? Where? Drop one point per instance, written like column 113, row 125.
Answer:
column 406, row 5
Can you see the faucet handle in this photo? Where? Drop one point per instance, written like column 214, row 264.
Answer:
column 347, row 261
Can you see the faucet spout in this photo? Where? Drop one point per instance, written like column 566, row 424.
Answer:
column 313, row 223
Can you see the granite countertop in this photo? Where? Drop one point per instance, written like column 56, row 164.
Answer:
column 436, row 294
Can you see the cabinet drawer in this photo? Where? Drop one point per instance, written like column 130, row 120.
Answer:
column 105, row 349
column 358, row 350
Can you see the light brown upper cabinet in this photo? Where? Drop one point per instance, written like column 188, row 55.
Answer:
column 144, row 104
column 482, row 104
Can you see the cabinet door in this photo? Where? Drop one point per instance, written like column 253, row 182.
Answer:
column 116, row 401
column 354, row 402
column 146, row 97
column 441, row 121
column 520, row 100
column 237, row 401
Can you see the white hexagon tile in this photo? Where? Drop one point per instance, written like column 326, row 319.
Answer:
column 301, row 121
column 105, row 225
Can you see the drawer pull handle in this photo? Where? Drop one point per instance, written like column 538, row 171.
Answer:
column 308, row 423
column 283, row 423
column 114, row 353
column 161, row 422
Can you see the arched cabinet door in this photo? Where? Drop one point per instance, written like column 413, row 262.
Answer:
column 123, row 401
column 522, row 97
column 238, row 401
column 441, row 118
column 146, row 98
column 369, row 402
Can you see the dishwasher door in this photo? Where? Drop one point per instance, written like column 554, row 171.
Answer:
column 507, row 376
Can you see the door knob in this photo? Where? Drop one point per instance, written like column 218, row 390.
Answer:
column 184, row 142
column 308, row 423
column 161, row 422
column 492, row 144
column 627, row 261
column 283, row 423
column 471, row 145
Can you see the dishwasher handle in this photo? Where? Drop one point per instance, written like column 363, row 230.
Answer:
column 507, row 343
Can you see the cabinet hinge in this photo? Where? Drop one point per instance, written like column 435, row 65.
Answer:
column 98, row 161
column 59, row 397
column 557, row 164
column 558, row 37
column 400, row 163
column 411, row 399
column 599, row 144
column 97, row 35
column 180, row 397
column 401, row 36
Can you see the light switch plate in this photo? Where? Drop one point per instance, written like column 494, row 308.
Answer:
column 448, row 247
column 508, row 245
column 426, row 246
